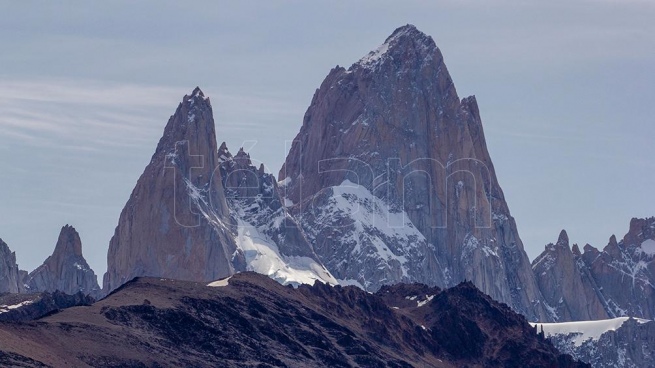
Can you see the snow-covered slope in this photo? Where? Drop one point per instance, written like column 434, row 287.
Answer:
column 619, row 342
column 367, row 244
column 263, row 256
column 584, row 330
column 268, row 237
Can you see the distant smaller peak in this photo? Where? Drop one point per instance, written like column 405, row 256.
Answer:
column 224, row 153
column 613, row 241
column 589, row 248
column 242, row 153
column 576, row 250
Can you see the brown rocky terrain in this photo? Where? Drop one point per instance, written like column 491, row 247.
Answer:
column 250, row 320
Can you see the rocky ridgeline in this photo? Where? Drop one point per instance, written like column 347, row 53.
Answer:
column 615, row 282
column 253, row 321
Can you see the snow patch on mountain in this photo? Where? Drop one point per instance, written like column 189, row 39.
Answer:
column 583, row 330
column 648, row 247
column 7, row 308
column 220, row 283
column 371, row 220
column 428, row 298
column 262, row 256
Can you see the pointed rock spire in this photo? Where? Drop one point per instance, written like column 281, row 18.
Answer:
column 563, row 239
column 568, row 290
column 69, row 242
column 65, row 270
column 176, row 224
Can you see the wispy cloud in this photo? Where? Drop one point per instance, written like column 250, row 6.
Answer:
column 91, row 115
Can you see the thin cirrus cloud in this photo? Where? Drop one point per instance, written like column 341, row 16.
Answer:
column 89, row 115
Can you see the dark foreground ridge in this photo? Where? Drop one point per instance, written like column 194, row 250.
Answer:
column 256, row 322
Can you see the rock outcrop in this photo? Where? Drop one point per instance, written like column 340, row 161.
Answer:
column 11, row 277
column 566, row 284
column 29, row 307
column 391, row 179
column 176, row 223
column 65, row 270
column 617, row 281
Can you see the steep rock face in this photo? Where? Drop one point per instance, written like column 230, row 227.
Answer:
column 176, row 223
column 11, row 278
column 65, row 270
column 566, row 284
column 391, row 179
column 269, row 237
column 619, row 278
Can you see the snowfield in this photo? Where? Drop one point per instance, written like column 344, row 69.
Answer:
column 585, row 330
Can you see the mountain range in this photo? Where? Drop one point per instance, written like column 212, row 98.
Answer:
column 388, row 181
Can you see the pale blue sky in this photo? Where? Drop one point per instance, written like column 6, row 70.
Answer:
column 565, row 89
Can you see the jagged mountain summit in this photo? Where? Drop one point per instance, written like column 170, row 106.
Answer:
column 178, row 223
column 615, row 282
column 65, row 270
column 567, row 286
column 12, row 279
column 391, row 179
